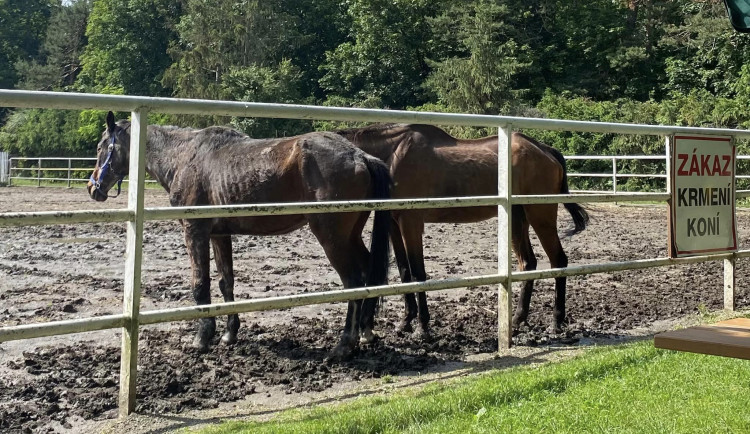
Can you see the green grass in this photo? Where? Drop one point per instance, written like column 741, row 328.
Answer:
column 632, row 388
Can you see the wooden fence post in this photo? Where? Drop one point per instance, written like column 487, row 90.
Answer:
column 504, row 191
column 134, row 252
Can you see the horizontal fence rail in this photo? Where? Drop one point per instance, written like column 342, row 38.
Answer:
column 247, row 210
column 136, row 214
column 84, row 101
column 55, row 328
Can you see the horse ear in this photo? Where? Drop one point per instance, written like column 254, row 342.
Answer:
column 110, row 122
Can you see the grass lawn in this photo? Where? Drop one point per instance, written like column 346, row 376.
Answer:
column 630, row 388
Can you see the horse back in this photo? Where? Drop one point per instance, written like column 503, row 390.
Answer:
column 536, row 166
column 240, row 170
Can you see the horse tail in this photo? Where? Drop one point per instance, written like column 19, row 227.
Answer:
column 380, row 239
column 577, row 212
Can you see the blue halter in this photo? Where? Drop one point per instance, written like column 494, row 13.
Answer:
column 105, row 167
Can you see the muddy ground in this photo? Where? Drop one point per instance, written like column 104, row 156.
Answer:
column 70, row 383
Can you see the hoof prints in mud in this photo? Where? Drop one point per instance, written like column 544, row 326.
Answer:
column 60, row 383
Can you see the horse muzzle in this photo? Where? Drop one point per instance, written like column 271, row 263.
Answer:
column 95, row 193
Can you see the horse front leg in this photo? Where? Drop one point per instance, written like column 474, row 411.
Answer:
column 222, row 246
column 196, row 241
column 343, row 246
column 350, row 335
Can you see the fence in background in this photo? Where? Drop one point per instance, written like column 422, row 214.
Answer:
column 19, row 168
column 48, row 169
column 616, row 173
column 134, row 216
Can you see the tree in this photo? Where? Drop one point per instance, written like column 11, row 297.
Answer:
column 216, row 36
column 23, row 25
column 279, row 84
column 58, row 64
column 385, row 62
column 127, row 46
column 318, row 27
column 46, row 132
column 705, row 52
column 485, row 75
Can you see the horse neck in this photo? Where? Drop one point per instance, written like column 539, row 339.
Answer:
column 163, row 148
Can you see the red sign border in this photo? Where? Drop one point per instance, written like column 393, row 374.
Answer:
column 673, row 247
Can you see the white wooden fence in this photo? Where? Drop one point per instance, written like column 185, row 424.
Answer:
column 35, row 169
column 135, row 215
column 38, row 172
column 615, row 174
column 4, row 168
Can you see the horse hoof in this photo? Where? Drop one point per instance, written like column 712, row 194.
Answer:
column 404, row 327
column 229, row 338
column 423, row 334
column 200, row 345
column 341, row 353
column 518, row 321
column 367, row 337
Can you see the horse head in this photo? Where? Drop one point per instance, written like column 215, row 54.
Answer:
column 112, row 159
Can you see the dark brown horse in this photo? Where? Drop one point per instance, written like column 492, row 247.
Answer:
column 220, row 166
column 425, row 161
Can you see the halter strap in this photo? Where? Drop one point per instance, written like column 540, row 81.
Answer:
column 103, row 171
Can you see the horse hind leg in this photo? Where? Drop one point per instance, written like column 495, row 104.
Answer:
column 196, row 241
column 521, row 245
column 410, row 301
column 222, row 247
column 543, row 218
column 411, row 231
column 349, row 257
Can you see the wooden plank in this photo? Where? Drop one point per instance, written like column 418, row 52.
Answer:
column 730, row 338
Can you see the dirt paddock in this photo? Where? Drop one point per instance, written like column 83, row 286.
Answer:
column 70, row 383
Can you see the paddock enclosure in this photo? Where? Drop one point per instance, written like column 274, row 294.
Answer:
column 66, row 270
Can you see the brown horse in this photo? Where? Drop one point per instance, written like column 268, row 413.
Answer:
column 220, row 166
column 425, row 162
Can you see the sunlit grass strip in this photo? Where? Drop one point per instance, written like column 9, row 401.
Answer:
column 633, row 388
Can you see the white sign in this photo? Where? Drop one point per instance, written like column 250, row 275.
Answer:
column 702, row 208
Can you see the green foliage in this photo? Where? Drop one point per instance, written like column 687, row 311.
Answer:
column 58, row 64
column 484, row 79
column 23, row 24
column 657, row 61
column 279, row 84
column 318, row 26
column 707, row 54
column 386, row 58
column 582, row 143
column 699, row 108
column 48, row 133
column 226, row 40
column 127, row 46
